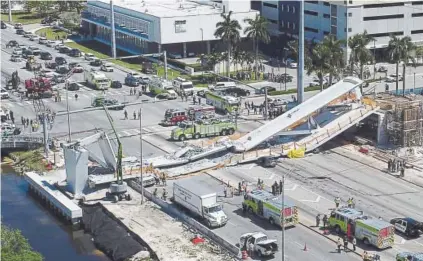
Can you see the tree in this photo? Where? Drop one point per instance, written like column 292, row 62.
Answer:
column 76, row 5
column 335, row 60
column 228, row 30
column 15, row 247
column 319, row 62
column 308, row 48
column 257, row 32
column 360, row 55
column 5, row 5
column 399, row 51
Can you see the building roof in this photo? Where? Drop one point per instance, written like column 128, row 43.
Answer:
column 169, row 8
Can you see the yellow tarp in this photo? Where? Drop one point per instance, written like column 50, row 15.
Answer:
column 296, row 153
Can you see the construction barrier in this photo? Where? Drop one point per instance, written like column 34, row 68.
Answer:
column 296, row 153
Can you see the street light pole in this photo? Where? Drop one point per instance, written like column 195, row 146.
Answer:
column 112, row 24
column 165, row 64
column 10, row 10
column 414, row 86
column 265, row 103
column 141, row 162
column 374, row 56
column 67, row 110
column 283, row 217
column 286, row 78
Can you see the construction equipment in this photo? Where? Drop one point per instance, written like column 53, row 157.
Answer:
column 13, row 82
column 197, row 112
column 32, row 64
column 198, row 129
column 117, row 190
column 372, row 231
column 264, row 204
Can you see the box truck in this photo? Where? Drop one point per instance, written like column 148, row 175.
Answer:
column 200, row 201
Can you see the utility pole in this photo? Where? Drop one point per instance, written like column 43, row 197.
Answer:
column 414, row 86
column 45, row 134
column 283, row 217
column 165, row 63
column 10, row 10
column 374, row 56
column 112, row 24
column 285, row 52
column 265, row 103
column 141, row 162
column 67, row 110
column 300, row 71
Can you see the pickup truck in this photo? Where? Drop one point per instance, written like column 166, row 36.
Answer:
column 262, row 245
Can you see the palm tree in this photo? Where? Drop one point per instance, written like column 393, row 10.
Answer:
column 335, row 61
column 399, row 51
column 228, row 30
column 319, row 62
column 257, row 31
column 360, row 54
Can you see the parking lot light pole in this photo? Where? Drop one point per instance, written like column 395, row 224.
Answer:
column 283, row 217
column 285, row 51
column 141, row 162
column 10, row 10
column 67, row 110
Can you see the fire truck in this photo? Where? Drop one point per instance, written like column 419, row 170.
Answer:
column 40, row 86
column 174, row 116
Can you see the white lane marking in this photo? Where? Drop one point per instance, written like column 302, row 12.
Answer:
column 311, row 201
column 126, row 133
column 28, row 102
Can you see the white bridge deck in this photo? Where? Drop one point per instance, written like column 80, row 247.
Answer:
column 298, row 113
column 48, row 192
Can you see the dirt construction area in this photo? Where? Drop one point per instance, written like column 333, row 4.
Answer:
column 169, row 238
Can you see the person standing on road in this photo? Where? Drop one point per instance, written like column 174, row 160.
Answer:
column 199, row 100
column 337, row 201
column 345, row 243
column 225, row 191
column 318, row 220
column 135, row 115
column 325, row 221
column 130, row 92
column 139, row 115
column 354, row 243
column 125, row 113
column 76, row 96
column 339, row 244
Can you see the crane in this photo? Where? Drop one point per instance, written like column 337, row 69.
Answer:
column 118, row 189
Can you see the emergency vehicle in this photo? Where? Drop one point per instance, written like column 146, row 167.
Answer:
column 372, row 231
column 40, row 85
column 183, row 86
column 225, row 104
column 174, row 116
column 161, row 86
column 268, row 206
column 97, row 80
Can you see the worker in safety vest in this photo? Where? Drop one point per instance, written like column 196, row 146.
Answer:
column 337, row 201
column 350, row 202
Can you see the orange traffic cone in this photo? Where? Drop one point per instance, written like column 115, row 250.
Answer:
column 305, row 247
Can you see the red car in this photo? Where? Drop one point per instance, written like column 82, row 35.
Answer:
column 76, row 67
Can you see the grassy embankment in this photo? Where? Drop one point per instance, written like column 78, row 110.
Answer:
column 51, row 33
column 23, row 161
column 22, row 17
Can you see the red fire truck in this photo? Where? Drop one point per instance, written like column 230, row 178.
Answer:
column 174, row 116
column 40, row 86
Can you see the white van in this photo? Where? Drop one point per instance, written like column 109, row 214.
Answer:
column 183, row 86
column 224, row 85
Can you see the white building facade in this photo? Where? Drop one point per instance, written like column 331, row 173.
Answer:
column 149, row 26
column 380, row 18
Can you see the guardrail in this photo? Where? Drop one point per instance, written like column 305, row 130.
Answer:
column 167, row 207
column 20, row 141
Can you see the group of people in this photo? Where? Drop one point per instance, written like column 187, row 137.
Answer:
column 132, row 92
column 345, row 243
column 136, row 115
column 26, row 122
column 395, row 165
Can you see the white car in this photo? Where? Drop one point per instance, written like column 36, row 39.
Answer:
column 51, row 43
column 18, row 51
column 4, row 94
column 47, row 73
column 394, row 75
column 89, row 56
column 390, row 79
column 28, row 34
column 293, row 65
column 58, row 46
column 42, row 40
column 107, row 67
column 34, row 37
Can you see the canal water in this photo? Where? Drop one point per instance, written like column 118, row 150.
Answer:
column 46, row 234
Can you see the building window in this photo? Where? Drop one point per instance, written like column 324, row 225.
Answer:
column 349, row 14
column 282, row 6
column 417, row 32
column 333, row 30
column 383, row 5
column 273, row 21
column 345, row 30
column 311, row 13
column 288, row 25
column 350, row 1
column 309, row 29
column 312, row 2
column 282, row 24
column 382, row 17
column 349, row 30
column 180, row 26
column 417, row 3
column 270, row 5
column 293, row 26
column 287, row 8
column 293, row 9
column 417, row 15
column 326, row 3
column 387, row 34
column 326, row 16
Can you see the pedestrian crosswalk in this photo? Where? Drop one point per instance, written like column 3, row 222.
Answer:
column 150, row 130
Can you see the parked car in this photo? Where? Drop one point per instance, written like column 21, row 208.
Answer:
column 106, row 67
column 62, row 69
column 58, row 46
column 60, row 60
column 4, row 94
column 9, row 129
column 28, row 34
column 116, row 84
column 96, row 62
column 77, row 68
column 394, row 75
column 50, row 65
column 89, row 56
column 74, row 86
column 27, row 53
column 235, row 91
column 34, row 38
column 20, row 32
column 267, row 162
column 42, row 40
column 408, row 226
column 174, row 56
column 47, row 73
column 17, row 51
column 15, row 58
column 75, row 53
column 35, row 50
column 12, row 43
column 18, row 26
column 65, row 49
column 382, row 68
column 262, row 90
column 51, row 43
column 3, row 25
column 46, row 56
column 390, row 79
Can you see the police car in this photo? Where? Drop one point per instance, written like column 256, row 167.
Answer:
column 407, row 226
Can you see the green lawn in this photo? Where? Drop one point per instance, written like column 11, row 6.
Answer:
column 22, row 17
column 51, row 33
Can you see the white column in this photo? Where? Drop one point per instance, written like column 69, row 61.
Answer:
column 184, row 46
column 208, row 47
